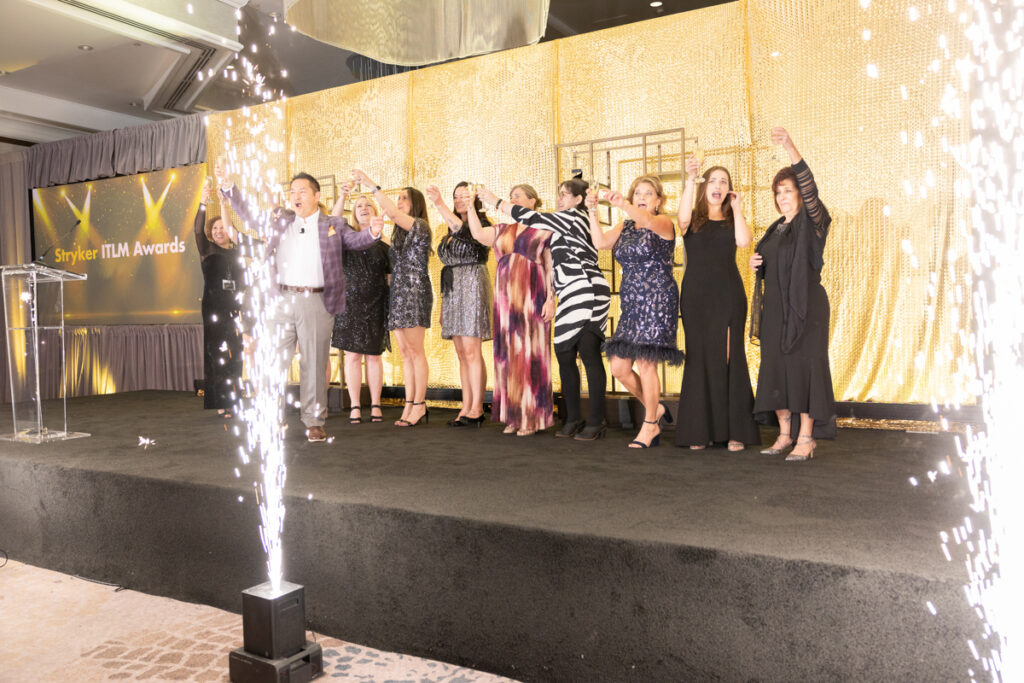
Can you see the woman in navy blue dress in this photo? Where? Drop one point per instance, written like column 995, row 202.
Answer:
column 643, row 244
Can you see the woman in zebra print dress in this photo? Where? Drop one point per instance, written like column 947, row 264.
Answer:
column 583, row 301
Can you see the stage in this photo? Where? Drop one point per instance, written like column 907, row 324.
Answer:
column 537, row 558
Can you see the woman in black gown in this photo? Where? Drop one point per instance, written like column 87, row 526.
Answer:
column 715, row 401
column 361, row 330
column 790, row 312
column 223, row 280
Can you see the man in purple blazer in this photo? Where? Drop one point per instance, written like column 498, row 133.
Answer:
column 305, row 247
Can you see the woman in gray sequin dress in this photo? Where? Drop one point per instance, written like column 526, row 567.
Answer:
column 465, row 298
column 411, row 294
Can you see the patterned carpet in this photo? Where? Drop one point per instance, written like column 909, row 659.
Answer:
column 56, row 627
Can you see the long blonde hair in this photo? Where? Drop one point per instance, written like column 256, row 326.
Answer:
column 373, row 208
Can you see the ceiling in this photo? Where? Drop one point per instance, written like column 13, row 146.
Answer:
column 147, row 60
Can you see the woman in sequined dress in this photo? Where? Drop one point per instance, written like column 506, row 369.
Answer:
column 465, row 298
column 524, row 304
column 643, row 244
column 411, row 294
column 361, row 331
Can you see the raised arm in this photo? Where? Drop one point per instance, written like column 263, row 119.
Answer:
column 356, row 239
column 659, row 224
column 491, row 199
column 453, row 221
column 805, row 182
column 387, row 205
column 601, row 239
column 485, row 235
column 202, row 243
column 339, row 206
column 225, row 219
column 685, row 213
column 231, row 192
column 548, row 312
column 740, row 227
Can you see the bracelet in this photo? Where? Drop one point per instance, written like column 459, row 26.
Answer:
column 497, row 205
column 376, row 188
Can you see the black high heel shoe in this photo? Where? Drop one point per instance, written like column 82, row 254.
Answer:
column 666, row 416
column 460, row 421
column 571, row 428
column 402, row 422
column 473, row 421
column 355, row 420
column 589, row 433
column 425, row 417
column 376, row 418
column 654, row 442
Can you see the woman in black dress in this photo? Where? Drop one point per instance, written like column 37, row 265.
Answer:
column 361, row 330
column 223, row 279
column 790, row 312
column 715, row 401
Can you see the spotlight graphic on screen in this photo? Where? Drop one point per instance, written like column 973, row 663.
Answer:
column 133, row 237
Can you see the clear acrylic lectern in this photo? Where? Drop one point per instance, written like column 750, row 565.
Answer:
column 34, row 308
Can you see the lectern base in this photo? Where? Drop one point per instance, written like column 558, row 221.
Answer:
column 44, row 435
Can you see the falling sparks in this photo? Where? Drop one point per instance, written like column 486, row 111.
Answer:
column 260, row 407
column 994, row 82
column 254, row 83
column 986, row 88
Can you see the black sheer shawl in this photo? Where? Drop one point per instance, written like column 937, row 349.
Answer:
column 801, row 248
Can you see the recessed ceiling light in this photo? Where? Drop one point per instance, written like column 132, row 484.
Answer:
column 85, row 48
column 656, row 3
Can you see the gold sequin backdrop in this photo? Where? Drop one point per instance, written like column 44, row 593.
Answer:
column 896, row 262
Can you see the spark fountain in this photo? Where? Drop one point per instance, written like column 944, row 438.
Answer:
column 993, row 84
column 987, row 93
column 273, row 613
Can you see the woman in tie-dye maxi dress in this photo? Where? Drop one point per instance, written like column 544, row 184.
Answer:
column 524, row 304
column 522, row 346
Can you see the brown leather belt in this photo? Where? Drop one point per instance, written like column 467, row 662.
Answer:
column 301, row 290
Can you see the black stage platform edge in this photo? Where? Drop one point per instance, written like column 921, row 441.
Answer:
column 526, row 603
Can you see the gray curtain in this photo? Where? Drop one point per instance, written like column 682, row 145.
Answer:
column 106, row 359
column 113, row 358
column 74, row 160
column 14, row 233
column 14, row 208
column 152, row 147
column 178, row 142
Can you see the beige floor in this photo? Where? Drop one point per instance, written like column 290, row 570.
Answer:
column 55, row 627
